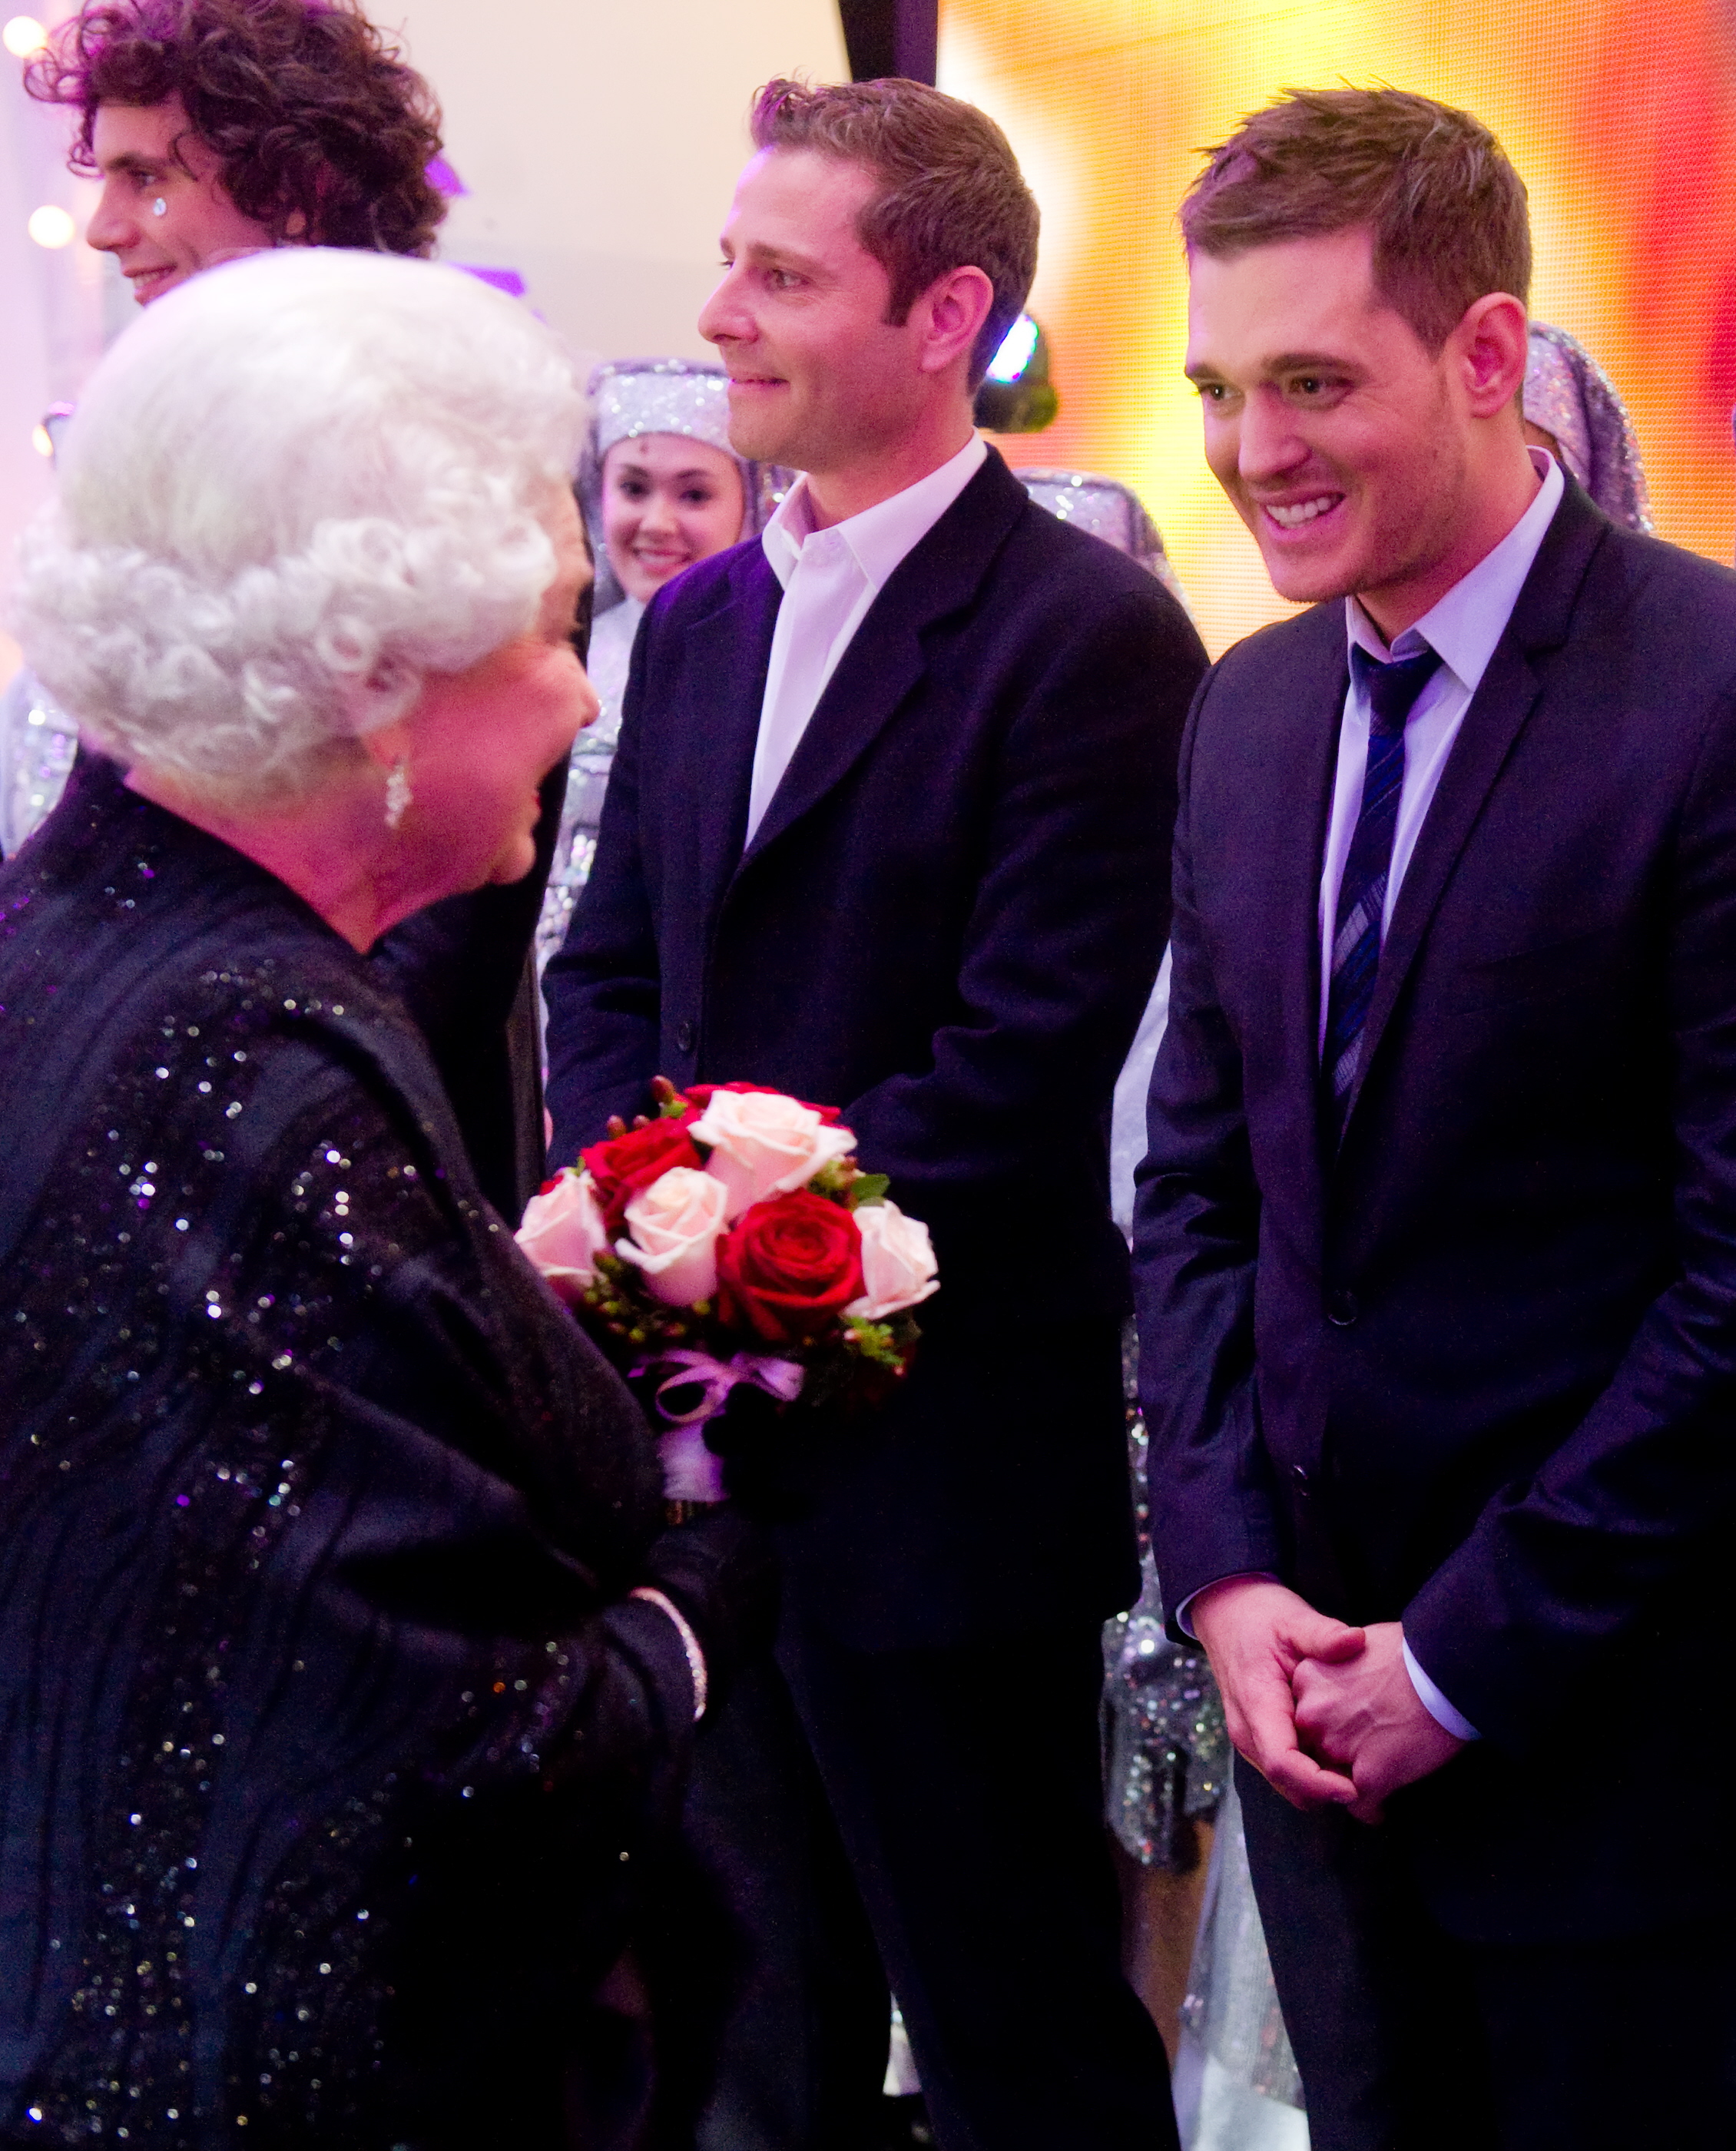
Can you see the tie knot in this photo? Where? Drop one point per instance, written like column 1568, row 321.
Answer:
column 1392, row 689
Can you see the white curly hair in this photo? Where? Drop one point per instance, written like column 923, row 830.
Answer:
column 294, row 487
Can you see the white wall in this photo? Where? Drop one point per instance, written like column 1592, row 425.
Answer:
column 599, row 139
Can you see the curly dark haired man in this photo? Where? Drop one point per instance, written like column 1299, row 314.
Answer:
column 217, row 127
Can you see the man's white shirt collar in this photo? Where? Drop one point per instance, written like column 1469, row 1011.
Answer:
column 881, row 536
column 1464, row 626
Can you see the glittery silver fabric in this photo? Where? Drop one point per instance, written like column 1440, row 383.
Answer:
column 313, row 1504
column 593, row 757
column 630, row 397
column 683, row 395
column 1231, row 2006
column 1167, row 1754
column 37, row 742
column 1108, row 510
column 1569, row 397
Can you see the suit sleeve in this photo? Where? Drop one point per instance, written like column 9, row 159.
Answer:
column 1069, row 919
column 602, row 989
column 1195, row 1240
column 1516, row 1624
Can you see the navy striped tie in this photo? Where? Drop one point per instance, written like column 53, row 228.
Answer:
column 1392, row 690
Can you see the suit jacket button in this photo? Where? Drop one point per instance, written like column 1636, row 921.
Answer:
column 1341, row 1308
column 684, row 1036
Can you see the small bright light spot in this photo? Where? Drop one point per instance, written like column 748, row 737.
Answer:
column 1016, row 347
column 51, row 225
column 22, row 35
column 40, row 441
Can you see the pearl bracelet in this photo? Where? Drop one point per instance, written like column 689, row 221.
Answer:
column 690, row 1645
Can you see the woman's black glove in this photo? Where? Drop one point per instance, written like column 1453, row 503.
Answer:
column 721, row 1572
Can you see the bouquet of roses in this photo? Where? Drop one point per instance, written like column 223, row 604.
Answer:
column 733, row 1239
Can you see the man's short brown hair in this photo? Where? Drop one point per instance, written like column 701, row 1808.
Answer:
column 1446, row 209
column 318, row 124
column 951, row 194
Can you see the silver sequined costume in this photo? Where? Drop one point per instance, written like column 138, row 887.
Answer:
column 38, row 742
column 631, row 397
column 1167, row 1754
column 1569, row 397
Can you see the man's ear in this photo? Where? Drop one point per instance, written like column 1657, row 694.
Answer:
column 950, row 315
column 1491, row 347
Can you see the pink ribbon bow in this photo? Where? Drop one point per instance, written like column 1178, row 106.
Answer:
column 780, row 1378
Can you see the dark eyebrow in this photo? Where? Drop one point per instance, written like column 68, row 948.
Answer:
column 132, row 160
column 784, row 257
column 1286, row 361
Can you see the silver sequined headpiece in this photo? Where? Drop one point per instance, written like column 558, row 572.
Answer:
column 1569, row 397
column 1108, row 510
column 683, row 395
column 686, row 395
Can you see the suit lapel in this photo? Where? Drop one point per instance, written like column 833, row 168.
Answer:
column 725, row 659
column 1493, row 720
column 1314, row 690
column 939, row 575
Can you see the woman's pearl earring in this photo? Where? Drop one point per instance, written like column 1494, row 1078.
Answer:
column 159, row 207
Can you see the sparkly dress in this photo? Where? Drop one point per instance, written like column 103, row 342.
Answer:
column 37, row 742
column 329, row 1741
column 593, row 757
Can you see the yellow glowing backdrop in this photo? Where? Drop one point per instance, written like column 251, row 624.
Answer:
column 1621, row 117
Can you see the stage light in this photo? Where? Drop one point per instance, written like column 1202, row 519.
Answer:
column 1016, row 395
column 51, row 225
column 42, row 440
column 22, row 35
column 1014, row 354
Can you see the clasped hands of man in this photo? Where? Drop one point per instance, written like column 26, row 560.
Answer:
column 1327, row 1713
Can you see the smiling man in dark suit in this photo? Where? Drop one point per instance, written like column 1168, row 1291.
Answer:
column 888, row 828
column 1436, row 1242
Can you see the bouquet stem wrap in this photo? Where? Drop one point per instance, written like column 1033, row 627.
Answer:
column 690, row 1472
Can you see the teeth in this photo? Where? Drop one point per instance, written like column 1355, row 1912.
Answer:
column 1293, row 517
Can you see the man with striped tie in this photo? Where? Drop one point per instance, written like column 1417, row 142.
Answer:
column 1436, row 1236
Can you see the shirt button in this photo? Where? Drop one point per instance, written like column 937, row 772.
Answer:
column 1341, row 1308
column 684, row 1036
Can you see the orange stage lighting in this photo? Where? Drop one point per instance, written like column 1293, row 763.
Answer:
column 1620, row 119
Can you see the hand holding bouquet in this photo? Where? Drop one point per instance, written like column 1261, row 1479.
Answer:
column 734, row 1238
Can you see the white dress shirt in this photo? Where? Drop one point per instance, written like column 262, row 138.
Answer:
column 1464, row 628
column 830, row 578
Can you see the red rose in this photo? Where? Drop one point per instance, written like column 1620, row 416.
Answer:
column 790, row 1267
column 626, row 1164
column 697, row 1094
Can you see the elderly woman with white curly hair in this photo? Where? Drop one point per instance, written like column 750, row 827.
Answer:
column 345, row 1674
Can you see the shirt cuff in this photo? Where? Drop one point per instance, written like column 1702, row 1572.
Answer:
column 1436, row 1703
column 1240, row 1575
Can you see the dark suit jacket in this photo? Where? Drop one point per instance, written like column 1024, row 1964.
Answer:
column 1477, row 1370
column 947, row 923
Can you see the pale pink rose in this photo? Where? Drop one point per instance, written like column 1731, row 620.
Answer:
column 763, row 1143
column 675, row 1224
column 898, row 1262
column 563, row 1234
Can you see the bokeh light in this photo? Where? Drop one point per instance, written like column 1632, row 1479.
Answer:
column 51, row 225
column 22, row 35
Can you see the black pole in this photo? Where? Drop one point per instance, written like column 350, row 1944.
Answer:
column 891, row 37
